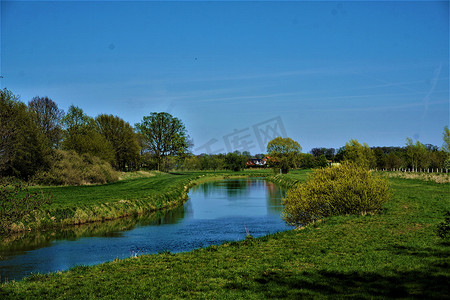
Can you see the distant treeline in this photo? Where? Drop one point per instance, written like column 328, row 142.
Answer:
column 41, row 143
column 415, row 156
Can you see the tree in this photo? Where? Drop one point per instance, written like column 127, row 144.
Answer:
column 23, row 147
column 235, row 161
column 392, row 161
column 446, row 137
column 163, row 135
column 192, row 163
column 283, row 153
column 48, row 117
column 416, row 154
column 123, row 140
column 81, row 136
column 360, row 154
column 446, row 146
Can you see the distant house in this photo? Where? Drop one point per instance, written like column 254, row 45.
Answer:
column 256, row 162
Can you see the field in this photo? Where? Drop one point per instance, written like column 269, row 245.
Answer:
column 396, row 254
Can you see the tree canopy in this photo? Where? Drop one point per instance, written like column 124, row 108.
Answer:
column 163, row 135
column 22, row 145
column 360, row 154
column 81, row 136
column 48, row 117
column 417, row 154
column 123, row 140
column 283, row 153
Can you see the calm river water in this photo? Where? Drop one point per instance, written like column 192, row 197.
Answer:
column 215, row 213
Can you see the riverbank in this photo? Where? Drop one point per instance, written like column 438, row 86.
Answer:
column 394, row 254
column 136, row 194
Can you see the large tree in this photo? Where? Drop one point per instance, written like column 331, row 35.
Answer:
column 122, row 138
column 81, row 136
column 284, row 153
column 360, row 154
column 48, row 117
column 416, row 154
column 23, row 147
column 163, row 135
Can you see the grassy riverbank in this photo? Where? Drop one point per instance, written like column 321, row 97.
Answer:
column 394, row 254
column 137, row 193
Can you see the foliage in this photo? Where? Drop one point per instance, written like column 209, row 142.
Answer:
column 71, row 168
column 235, row 161
column 345, row 189
column 417, row 154
column 192, row 163
column 48, row 118
column 284, row 153
column 446, row 138
column 23, row 147
column 392, row 161
column 163, row 135
column 81, row 136
column 328, row 152
column 361, row 155
column 123, row 140
column 444, row 227
column 16, row 202
column 391, row 255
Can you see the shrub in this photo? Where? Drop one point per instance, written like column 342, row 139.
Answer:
column 340, row 190
column 70, row 168
column 16, row 202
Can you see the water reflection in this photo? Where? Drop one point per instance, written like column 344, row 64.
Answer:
column 26, row 241
column 232, row 187
column 215, row 213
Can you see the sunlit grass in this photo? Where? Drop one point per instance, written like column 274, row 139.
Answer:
column 396, row 254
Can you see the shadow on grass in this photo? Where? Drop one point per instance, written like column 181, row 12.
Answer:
column 430, row 283
column 416, row 284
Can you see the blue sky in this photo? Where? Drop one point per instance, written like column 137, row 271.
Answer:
column 239, row 73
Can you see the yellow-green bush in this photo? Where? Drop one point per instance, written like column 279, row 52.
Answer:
column 340, row 190
column 70, row 168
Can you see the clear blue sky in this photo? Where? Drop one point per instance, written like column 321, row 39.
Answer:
column 238, row 73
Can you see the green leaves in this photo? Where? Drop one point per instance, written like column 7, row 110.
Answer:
column 361, row 155
column 284, row 153
column 23, row 147
column 344, row 189
column 163, row 135
column 123, row 140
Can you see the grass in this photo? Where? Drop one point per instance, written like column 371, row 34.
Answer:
column 396, row 254
column 435, row 177
column 137, row 193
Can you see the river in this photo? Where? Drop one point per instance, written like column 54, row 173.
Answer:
column 216, row 212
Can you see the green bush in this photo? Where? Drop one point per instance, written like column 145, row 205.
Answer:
column 16, row 202
column 340, row 190
column 70, row 168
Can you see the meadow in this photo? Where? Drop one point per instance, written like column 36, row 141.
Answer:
column 394, row 254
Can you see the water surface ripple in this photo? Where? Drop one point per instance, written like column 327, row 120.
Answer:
column 216, row 212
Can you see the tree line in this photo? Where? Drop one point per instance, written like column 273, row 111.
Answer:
column 413, row 156
column 41, row 142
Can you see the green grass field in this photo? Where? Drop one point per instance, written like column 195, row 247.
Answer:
column 396, row 254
